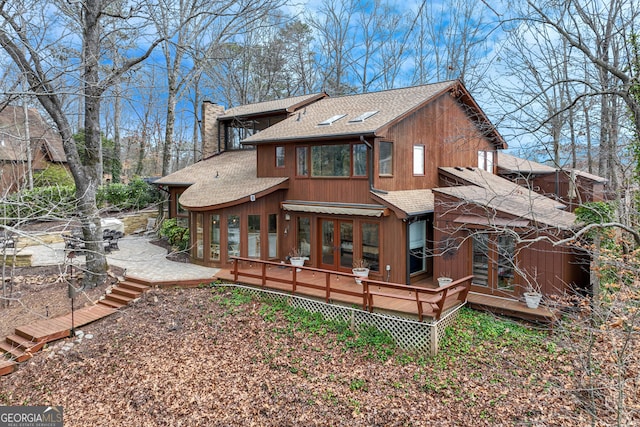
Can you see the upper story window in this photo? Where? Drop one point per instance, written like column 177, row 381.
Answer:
column 359, row 160
column 331, row 160
column 485, row 160
column 385, row 159
column 338, row 160
column 279, row 156
column 302, row 161
column 418, row 159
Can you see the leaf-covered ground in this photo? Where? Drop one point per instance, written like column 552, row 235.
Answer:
column 217, row 357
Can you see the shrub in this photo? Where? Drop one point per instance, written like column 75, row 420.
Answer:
column 52, row 176
column 176, row 235
column 41, row 203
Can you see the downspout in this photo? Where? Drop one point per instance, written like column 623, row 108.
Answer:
column 370, row 155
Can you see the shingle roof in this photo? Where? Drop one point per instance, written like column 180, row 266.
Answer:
column 487, row 189
column 223, row 179
column 407, row 202
column 517, row 165
column 285, row 105
column 12, row 134
column 390, row 105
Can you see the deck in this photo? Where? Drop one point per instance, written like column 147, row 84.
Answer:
column 341, row 288
column 417, row 302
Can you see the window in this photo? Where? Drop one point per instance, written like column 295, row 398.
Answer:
column 480, row 245
column 233, row 235
column 302, row 161
column 417, row 247
column 331, row 160
column 418, row 159
column 385, row 159
column 273, row 235
column 506, row 261
column 304, row 236
column 331, row 120
column 359, row 160
column 279, row 157
column 253, row 244
column 215, row 238
column 364, row 116
column 371, row 245
column 485, row 160
column 199, row 237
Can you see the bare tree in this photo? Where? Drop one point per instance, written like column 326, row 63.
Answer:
column 22, row 38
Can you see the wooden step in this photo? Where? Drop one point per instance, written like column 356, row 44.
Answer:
column 23, row 343
column 134, row 286
column 118, row 290
column 14, row 353
column 7, row 367
column 111, row 303
column 132, row 279
column 45, row 331
column 118, row 298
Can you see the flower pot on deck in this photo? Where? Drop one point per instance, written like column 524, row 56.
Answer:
column 297, row 262
column 360, row 273
column 444, row 281
column 532, row 299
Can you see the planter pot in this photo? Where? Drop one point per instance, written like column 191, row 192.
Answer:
column 297, row 262
column 532, row 299
column 361, row 273
column 443, row 281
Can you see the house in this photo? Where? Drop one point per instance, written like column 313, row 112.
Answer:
column 404, row 179
column 44, row 143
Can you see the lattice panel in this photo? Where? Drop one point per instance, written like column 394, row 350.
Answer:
column 408, row 334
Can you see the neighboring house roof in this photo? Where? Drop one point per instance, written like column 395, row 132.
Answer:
column 287, row 105
column 407, row 203
column 12, row 135
column 226, row 179
column 368, row 114
column 496, row 193
column 513, row 164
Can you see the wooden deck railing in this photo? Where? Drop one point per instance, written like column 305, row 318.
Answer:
column 372, row 294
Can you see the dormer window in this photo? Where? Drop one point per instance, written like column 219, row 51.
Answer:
column 331, row 120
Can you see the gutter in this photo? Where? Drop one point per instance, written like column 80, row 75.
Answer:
column 370, row 151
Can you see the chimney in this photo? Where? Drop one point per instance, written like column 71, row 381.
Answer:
column 210, row 113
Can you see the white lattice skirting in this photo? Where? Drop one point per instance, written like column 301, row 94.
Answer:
column 408, row 334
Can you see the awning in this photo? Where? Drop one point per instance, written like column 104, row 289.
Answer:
column 481, row 220
column 337, row 209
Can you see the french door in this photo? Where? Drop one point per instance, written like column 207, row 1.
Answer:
column 336, row 244
column 493, row 263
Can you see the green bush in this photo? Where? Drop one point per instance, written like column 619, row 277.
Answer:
column 135, row 195
column 52, row 176
column 176, row 235
column 41, row 203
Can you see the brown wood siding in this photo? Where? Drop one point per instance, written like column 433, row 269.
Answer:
column 556, row 268
column 450, row 138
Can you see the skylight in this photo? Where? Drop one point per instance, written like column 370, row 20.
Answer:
column 331, row 120
column 362, row 117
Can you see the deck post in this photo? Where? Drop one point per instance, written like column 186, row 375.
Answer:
column 433, row 337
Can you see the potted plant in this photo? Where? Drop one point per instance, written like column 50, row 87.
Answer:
column 360, row 269
column 444, row 280
column 296, row 259
column 532, row 296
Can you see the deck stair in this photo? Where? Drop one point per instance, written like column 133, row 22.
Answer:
column 31, row 338
column 123, row 293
